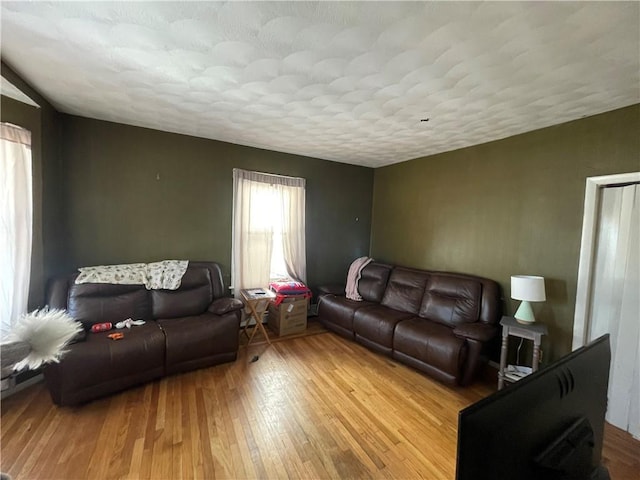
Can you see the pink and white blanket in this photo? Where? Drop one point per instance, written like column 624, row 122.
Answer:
column 353, row 277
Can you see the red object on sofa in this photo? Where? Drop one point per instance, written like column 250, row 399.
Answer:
column 287, row 289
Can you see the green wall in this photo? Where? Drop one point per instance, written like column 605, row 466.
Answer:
column 512, row 206
column 133, row 194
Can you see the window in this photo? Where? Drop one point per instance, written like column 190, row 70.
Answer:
column 268, row 229
column 16, row 216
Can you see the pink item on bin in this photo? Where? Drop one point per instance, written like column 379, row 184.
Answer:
column 289, row 289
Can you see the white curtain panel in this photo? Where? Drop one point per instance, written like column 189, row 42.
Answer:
column 616, row 301
column 16, row 216
column 264, row 205
column 292, row 201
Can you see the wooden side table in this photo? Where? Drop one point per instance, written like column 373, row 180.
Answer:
column 533, row 331
column 257, row 301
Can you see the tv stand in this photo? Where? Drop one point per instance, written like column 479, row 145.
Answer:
column 570, row 455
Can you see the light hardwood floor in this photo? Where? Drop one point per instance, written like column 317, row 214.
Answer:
column 310, row 407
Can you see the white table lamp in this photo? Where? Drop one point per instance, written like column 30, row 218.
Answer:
column 527, row 288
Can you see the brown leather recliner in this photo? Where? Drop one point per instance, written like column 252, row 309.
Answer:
column 436, row 322
column 192, row 327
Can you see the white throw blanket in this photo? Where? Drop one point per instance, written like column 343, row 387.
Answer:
column 353, row 277
column 158, row 275
column 166, row 274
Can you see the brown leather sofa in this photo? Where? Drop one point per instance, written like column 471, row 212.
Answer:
column 439, row 323
column 192, row 327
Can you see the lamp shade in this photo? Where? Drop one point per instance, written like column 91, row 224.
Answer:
column 528, row 287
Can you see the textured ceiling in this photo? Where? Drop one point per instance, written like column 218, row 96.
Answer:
column 340, row 81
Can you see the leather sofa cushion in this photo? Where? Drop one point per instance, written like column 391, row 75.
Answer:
column 405, row 290
column 189, row 339
column 91, row 303
column 377, row 323
column 451, row 300
column 192, row 298
column 431, row 343
column 338, row 311
column 373, row 281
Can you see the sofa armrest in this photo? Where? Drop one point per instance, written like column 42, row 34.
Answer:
column 481, row 332
column 224, row 305
column 337, row 290
column 57, row 293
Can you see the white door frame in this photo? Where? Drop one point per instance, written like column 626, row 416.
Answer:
column 592, row 194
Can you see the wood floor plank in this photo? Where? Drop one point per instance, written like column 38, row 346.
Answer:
column 309, row 407
column 621, row 453
column 36, row 462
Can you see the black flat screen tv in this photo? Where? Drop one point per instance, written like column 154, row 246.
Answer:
column 547, row 426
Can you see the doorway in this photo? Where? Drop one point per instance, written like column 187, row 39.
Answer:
column 608, row 293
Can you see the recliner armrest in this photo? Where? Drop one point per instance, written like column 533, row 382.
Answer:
column 220, row 306
column 481, row 332
column 334, row 289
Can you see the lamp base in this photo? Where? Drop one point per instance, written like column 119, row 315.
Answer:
column 524, row 322
column 524, row 314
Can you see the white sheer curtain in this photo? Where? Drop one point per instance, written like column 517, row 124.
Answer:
column 616, row 301
column 16, row 213
column 292, row 201
column 267, row 207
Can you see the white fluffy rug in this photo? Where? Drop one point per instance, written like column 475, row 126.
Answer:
column 46, row 332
